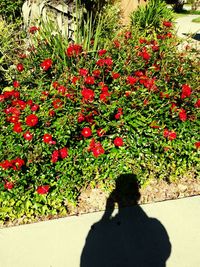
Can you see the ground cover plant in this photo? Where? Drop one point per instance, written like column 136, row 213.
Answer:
column 71, row 117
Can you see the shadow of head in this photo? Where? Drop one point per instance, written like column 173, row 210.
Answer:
column 126, row 192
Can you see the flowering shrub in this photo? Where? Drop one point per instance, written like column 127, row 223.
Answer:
column 78, row 117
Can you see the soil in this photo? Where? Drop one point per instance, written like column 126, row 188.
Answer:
column 92, row 200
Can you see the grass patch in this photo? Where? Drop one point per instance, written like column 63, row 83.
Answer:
column 196, row 20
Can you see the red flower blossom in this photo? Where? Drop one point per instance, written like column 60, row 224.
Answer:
column 98, row 150
column 83, row 72
column 89, row 80
column 118, row 115
column 33, row 29
column 100, row 132
column 55, row 156
column 197, row 104
column 28, row 135
column 115, row 75
column 52, row 113
column 35, row 107
column 81, row 118
column 8, row 185
column 6, row 164
column 88, row 94
column 16, row 84
column 102, row 52
column 167, row 24
column 17, row 164
column 31, row 120
column 182, row 115
column 131, row 80
column 20, row 67
column 43, row 189
column 62, row 89
column 172, row 135
column 46, row 64
column 47, row 138
column 104, row 96
column 197, row 144
column 96, row 73
column 118, row 141
column 57, row 103
column 17, row 128
column 73, row 50
column 63, row 152
column 186, row 91
column 166, row 133
column 86, row 132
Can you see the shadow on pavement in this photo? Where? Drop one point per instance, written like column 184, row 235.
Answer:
column 194, row 36
column 130, row 238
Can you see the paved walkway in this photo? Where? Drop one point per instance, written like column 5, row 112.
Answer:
column 132, row 238
column 184, row 26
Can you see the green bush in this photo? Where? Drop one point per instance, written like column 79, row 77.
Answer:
column 151, row 15
column 74, row 117
column 11, row 10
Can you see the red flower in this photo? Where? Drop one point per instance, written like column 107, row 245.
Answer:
column 88, row 94
column 197, row 144
column 47, row 138
column 6, row 164
column 63, row 152
column 118, row 141
column 100, row 132
column 98, row 150
column 43, row 189
column 96, row 73
column 35, row 107
column 46, row 64
column 89, row 80
column 17, row 164
column 73, row 50
column 62, row 89
column 115, row 75
column 81, row 118
column 104, row 96
column 52, row 113
column 102, row 52
column 172, row 135
column 57, row 103
column 182, row 115
column 131, row 80
column 186, row 91
column 55, row 156
column 16, row 84
column 86, row 132
column 83, row 72
column 17, row 128
column 31, row 120
column 33, row 29
column 145, row 55
column 118, row 115
column 197, row 104
column 28, row 135
column 20, row 67
column 8, row 185
column 166, row 133
column 167, row 24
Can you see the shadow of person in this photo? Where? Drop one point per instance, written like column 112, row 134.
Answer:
column 130, row 238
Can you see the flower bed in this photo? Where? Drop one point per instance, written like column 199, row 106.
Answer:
column 73, row 117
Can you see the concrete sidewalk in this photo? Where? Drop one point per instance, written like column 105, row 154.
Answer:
column 59, row 243
column 184, row 26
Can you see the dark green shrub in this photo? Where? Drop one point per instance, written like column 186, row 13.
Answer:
column 74, row 117
column 11, row 10
column 151, row 15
